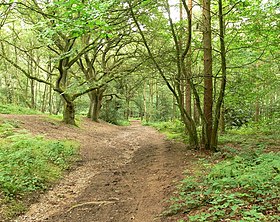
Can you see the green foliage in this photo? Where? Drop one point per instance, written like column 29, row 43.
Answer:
column 243, row 188
column 12, row 109
column 258, row 135
column 172, row 129
column 7, row 127
column 31, row 163
column 76, row 18
column 237, row 117
column 112, row 112
column 123, row 123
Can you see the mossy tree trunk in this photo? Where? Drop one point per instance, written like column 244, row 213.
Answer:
column 69, row 113
column 97, row 96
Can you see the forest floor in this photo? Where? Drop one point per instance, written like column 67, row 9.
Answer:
column 125, row 173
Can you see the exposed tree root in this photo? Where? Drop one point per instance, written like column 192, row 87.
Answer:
column 101, row 202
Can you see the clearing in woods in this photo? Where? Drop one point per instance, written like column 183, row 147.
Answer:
column 125, row 174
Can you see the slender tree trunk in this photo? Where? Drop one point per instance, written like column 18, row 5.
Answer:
column 188, row 94
column 208, row 81
column 50, row 100
column 257, row 111
column 180, row 39
column 127, row 108
column 32, row 83
column 222, row 120
column 214, row 138
column 151, row 99
column 174, row 109
column 145, row 102
column 157, row 96
column 50, row 92
column 32, row 90
column 195, row 112
column 44, row 99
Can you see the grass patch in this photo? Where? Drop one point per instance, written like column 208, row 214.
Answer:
column 55, row 117
column 123, row 123
column 29, row 164
column 12, row 109
column 172, row 129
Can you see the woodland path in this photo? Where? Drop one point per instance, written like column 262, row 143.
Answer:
column 125, row 173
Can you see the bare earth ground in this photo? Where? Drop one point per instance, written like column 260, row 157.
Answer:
column 125, row 173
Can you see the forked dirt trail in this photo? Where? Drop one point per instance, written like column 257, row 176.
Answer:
column 125, row 173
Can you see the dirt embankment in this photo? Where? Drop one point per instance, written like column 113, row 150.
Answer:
column 125, row 173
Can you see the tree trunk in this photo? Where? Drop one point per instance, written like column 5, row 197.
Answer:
column 151, row 99
column 97, row 102
column 214, row 138
column 145, row 103
column 69, row 113
column 44, row 99
column 222, row 120
column 257, row 111
column 174, row 108
column 32, row 90
column 127, row 111
column 183, row 82
column 188, row 94
column 61, row 84
column 50, row 100
column 91, row 102
column 50, row 92
column 195, row 112
column 208, row 82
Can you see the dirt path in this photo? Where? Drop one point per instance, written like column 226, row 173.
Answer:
column 125, row 174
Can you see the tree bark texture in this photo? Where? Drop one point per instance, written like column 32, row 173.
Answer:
column 219, row 103
column 208, row 81
column 69, row 113
column 188, row 94
column 97, row 96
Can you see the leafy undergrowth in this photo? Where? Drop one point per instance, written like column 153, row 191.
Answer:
column 12, row 109
column 240, row 183
column 264, row 135
column 28, row 164
column 243, row 188
column 122, row 123
column 172, row 129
